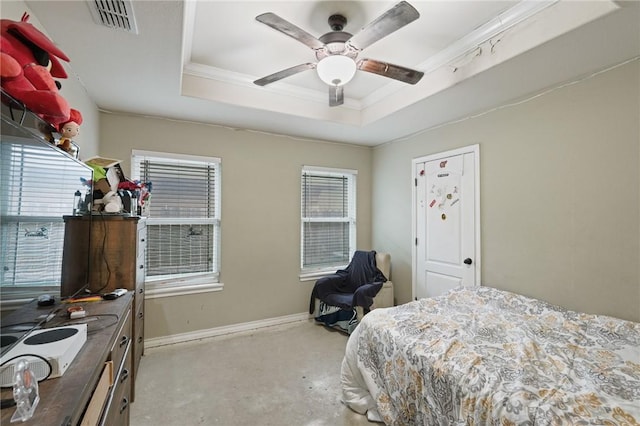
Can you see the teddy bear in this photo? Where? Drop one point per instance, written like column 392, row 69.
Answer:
column 29, row 62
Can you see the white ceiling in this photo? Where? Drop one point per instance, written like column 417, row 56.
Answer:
column 196, row 61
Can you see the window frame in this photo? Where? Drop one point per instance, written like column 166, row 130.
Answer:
column 312, row 273
column 185, row 283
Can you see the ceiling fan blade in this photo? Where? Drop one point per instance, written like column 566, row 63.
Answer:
column 406, row 75
column 336, row 95
column 393, row 19
column 286, row 27
column 284, row 73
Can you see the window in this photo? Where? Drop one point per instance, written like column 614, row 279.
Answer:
column 37, row 187
column 328, row 219
column 183, row 222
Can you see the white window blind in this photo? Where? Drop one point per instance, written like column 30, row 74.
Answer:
column 328, row 218
column 38, row 183
column 183, row 216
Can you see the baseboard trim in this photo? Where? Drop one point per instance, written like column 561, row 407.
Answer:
column 221, row 331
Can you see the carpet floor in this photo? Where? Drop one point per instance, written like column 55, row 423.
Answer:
column 287, row 375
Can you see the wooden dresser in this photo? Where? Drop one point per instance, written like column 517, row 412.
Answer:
column 116, row 260
column 96, row 387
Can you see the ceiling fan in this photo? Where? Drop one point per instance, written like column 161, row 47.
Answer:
column 337, row 50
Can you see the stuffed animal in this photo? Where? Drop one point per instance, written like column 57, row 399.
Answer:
column 112, row 202
column 28, row 65
column 68, row 130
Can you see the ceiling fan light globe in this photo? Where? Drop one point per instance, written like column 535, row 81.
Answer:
column 336, row 70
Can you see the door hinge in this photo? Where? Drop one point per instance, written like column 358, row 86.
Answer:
column 415, row 181
column 416, row 240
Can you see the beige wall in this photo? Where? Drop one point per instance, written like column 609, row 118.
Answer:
column 560, row 203
column 72, row 90
column 260, row 216
column 560, row 198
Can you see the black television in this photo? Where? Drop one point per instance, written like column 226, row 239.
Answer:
column 39, row 184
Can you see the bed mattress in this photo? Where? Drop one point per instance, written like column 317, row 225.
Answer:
column 482, row 356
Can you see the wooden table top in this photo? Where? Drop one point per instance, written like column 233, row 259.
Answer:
column 63, row 399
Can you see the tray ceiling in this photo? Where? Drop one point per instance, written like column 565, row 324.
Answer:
column 197, row 60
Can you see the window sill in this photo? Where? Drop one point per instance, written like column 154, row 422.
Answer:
column 12, row 304
column 312, row 276
column 159, row 291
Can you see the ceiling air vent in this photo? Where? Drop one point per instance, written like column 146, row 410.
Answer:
column 114, row 14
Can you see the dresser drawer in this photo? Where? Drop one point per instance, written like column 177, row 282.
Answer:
column 138, row 325
column 140, row 273
column 142, row 238
column 121, row 343
column 100, row 396
column 117, row 410
column 138, row 347
column 139, row 302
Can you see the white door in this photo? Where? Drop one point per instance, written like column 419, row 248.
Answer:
column 447, row 225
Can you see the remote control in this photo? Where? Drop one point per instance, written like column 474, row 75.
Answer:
column 115, row 294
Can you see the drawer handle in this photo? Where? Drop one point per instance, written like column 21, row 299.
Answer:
column 142, row 239
column 124, row 375
column 123, row 340
column 124, row 405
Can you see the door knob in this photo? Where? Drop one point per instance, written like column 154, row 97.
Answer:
column 468, row 261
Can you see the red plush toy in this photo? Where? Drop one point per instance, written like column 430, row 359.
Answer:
column 28, row 64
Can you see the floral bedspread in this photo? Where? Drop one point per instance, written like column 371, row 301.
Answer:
column 482, row 356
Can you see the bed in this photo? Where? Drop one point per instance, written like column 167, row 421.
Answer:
column 482, row 356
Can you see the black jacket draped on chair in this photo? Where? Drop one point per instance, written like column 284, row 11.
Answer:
column 356, row 285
